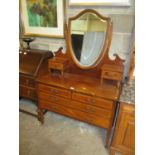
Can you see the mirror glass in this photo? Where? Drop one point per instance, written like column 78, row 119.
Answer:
column 88, row 33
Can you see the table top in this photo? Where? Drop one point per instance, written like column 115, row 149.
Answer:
column 82, row 84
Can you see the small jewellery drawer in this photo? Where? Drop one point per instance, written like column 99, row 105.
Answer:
column 55, row 66
column 53, row 99
column 27, row 92
column 76, row 114
column 111, row 75
column 26, row 81
column 107, row 104
column 54, row 91
column 57, row 63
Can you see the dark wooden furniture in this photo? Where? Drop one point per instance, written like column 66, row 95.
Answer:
column 124, row 135
column 31, row 64
column 79, row 93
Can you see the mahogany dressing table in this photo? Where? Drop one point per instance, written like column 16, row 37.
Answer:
column 79, row 92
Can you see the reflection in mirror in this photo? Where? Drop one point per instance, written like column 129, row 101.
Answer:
column 87, row 38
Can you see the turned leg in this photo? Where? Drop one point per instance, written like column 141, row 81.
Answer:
column 107, row 138
column 41, row 115
column 112, row 152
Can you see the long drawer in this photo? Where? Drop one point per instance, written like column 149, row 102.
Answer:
column 76, row 105
column 76, row 114
column 53, row 98
column 27, row 92
column 107, row 104
column 26, row 81
column 54, row 91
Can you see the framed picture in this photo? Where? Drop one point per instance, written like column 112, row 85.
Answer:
column 43, row 18
column 100, row 2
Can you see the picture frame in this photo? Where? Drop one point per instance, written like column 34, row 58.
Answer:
column 42, row 18
column 99, row 2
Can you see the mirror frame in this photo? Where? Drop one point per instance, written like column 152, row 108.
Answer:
column 107, row 42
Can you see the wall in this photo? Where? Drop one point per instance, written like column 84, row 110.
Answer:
column 123, row 26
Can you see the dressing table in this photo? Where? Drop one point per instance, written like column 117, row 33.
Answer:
column 81, row 91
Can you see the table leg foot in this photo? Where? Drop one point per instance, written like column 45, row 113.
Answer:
column 41, row 115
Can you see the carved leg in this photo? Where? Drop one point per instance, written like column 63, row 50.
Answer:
column 112, row 152
column 41, row 115
column 107, row 138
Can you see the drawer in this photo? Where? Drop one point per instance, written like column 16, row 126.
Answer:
column 97, row 111
column 53, row 99
column 111, row 75
column 57, row 63
column 26, row 81
column 54, row 91
column 76, row 105
column 27, row 92
column 76, row 114
column 54, row 65
column 107, row 104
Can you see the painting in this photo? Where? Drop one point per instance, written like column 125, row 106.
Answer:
column 42, row 17
column 100, row 2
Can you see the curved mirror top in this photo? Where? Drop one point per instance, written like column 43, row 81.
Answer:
column 88, row 33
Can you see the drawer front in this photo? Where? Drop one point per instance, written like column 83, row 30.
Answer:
column 26, row 81
column 112, row 75
column 97, row 111
column 76, row 114
column 53, row 99
column 27, row 92
column 107, row 104
column 76, row 105
column 54, row 65
column 54, row 91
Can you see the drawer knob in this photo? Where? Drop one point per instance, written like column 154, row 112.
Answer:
column 89, row 109
column 91, row 100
